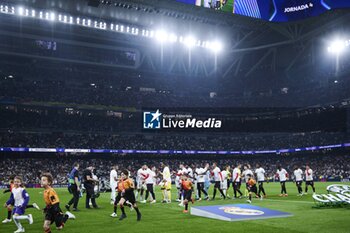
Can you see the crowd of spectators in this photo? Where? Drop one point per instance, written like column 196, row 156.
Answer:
column 234, row 142
column 130, row 94
column 325, row 167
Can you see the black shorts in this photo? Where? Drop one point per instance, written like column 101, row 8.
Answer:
column 117, row 199
column 283, row 182
column 129, row 196
column 253, row 189
column 54, row 214
column 217, row 184
column 310, row 182
column 188, row 195
column 299, row 183
column 237, row 184
column 150, row 187
column 260, row 183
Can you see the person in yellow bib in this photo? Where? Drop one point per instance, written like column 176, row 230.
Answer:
column 166, row 187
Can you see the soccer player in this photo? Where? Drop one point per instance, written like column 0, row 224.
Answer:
column 201, row 173
column 245, row 174
column 309, row 180
column 298, row 177
column 149, row 176
column 20, row 199
column 126, row 194
column 89, row 184
column 216, row 172
column 74, row 187
column 260, row 174
column 223, row 182
column 229, row 178
column 178, row 175
column 186, row 186
column 140, row 185
column 53, row 212
column 236, row 181
column 113, row 181
column 252, row 188
column 282, row 174
column 167, row 183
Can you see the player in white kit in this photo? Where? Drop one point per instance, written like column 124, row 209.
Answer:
column 113, row 182
column 309, row 180
column 282, row 174
column 298, row 177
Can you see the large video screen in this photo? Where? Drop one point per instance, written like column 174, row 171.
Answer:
column 272, row 10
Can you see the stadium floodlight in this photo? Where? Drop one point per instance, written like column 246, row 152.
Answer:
column 172, row 38
column 337, row 47
column 216, row 46
column 20, row 11
column 161, row 36
column 33, row 13
column 189, row 41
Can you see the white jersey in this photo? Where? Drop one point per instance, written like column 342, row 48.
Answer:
column 223, row 176
column 216, row 172
column 260, row 174
column 190, row 173
column 246, row 173
column 166, row 174
column 282, row 174
column 201, row 173
column 177, row 178
column 139, row 177
column 308, row 175
column 150, row 177
column 298, row 174
column 113, row 178
column 236, row 175
column 18, row 195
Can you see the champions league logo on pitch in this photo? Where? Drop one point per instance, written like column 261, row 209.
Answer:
column 241, row 211
column 158, row 120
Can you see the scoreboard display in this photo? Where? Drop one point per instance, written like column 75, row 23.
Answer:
column 272, row 10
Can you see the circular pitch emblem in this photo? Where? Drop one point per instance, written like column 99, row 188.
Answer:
column 241, row 211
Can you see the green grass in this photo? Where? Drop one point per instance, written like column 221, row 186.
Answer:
column 169, row 217
column 228, row 6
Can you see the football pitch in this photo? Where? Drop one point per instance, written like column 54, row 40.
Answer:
column 169, row 217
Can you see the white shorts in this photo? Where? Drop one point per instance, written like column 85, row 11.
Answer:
column 223, row 184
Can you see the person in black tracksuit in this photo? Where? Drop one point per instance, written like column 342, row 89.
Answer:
column 89, row 184
column 74, row 188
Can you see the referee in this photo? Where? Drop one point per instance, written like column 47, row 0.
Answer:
column 89, row 184
column 74, row 188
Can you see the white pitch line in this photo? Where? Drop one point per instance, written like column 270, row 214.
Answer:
column 308, row 202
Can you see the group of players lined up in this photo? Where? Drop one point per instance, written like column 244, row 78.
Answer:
column 19, row 201
column 198, row 180
column 126, row 192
